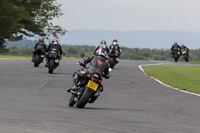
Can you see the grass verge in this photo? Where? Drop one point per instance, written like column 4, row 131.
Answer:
column 182, row 77
column 15, row 56
column 30, row 56
column 195, row 62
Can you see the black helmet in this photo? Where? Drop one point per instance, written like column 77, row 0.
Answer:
column 115, row 40
column 103, row 42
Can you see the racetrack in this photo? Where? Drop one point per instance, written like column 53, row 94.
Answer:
column 33, row 101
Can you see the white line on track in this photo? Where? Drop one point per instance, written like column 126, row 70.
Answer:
column 140, row 67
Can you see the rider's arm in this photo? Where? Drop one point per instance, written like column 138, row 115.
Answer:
column 87, row 60
column 35, row 45
column 45, row 47
column 60, row 49
column 48, row 48
column 172, row 47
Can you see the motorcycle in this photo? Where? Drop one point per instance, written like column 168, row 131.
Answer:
column 176, row 55
column 53, row 60
column 39, row 57
column 88, row 90
column 185, row 55
column 112, row 61
column 113, row 58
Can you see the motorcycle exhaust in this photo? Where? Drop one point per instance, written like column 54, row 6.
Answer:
column 97, row 93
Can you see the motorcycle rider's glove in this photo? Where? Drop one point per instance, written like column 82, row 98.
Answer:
column 81, row 63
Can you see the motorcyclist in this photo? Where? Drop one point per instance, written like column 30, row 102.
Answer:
column 54, row 45
column 98, row 64
column 114, row 49
column 102, row 45
column 183, row 47
column 39, row 45
column 175, row 47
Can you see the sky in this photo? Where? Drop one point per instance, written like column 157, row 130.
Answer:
column 130, row 15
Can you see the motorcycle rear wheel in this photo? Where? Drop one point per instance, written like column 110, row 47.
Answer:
column 36, row 60
column 84, row 98
column 51, row 65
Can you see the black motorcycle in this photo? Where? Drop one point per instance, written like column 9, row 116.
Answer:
column 112, row 60
column 176, row 55
column 53, row 60
column 88, row 90
column 39, row 57
column 185, row 55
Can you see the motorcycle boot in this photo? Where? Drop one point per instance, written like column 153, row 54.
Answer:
column 46, row 65
column 76, row 81
column 74, row 88
column 33, row 56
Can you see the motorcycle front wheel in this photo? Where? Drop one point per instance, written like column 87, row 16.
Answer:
column 176, row 56
column 186, row 58
column 72, row 101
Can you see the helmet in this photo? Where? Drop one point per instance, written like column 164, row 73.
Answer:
column 103, row 42
column 182, row 45
column 55, row 41
column 115, row 40
column 41, row 40
column 175, row 43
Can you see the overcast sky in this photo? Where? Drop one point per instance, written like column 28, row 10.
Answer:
column 128, row 15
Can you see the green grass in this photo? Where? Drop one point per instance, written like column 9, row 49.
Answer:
column 75, row 56
column 182, row 77
column 30, row 56
column 15, row 56
column 195, row 62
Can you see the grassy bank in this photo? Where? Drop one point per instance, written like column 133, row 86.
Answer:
column 182, row 77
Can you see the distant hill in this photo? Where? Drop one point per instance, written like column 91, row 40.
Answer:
column 130, row 39
column 24, row 41
column 133, row 39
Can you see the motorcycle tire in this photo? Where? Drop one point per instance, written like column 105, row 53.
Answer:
column 84, row 98
column 186, row 58
column 36, row 60
column 71, row 101
column 51, row 65
column 112, row 62
column 176, row 56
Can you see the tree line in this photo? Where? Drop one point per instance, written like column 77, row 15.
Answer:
column 127, row 53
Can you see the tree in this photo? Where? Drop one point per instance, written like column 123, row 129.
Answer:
column 29, row 18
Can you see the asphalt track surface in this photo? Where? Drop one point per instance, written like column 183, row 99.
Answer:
column 33, row 101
